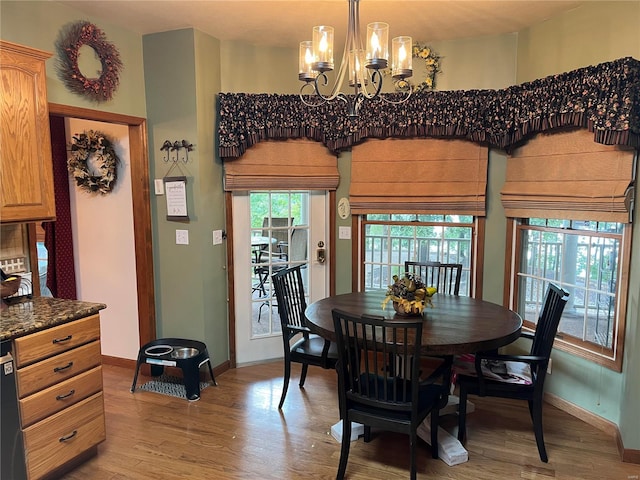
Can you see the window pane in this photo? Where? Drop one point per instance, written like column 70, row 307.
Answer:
column 388, row 247
column 581, row 260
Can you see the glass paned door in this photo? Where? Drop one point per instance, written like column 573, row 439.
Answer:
column 272, row 231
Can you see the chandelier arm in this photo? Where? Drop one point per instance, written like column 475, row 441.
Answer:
column 319, row 99
column 398, row 102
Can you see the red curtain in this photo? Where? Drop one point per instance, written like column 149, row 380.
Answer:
column 58, row 240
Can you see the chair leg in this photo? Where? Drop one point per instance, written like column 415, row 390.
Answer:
column 367, row 434
column 435, row 416
column 303, row 375
column 462, row 414
column 412, row 454
column 536, row 414
column 285, row 385
column 344, row 449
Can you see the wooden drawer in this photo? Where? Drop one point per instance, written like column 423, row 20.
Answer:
column 56, row 369
column 63, row 436
column 55, row 340
column 61, row 395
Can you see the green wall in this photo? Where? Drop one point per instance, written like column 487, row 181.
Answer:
column 37, row 24
column 183, row 78
column 593, row 33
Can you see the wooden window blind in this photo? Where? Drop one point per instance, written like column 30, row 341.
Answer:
column 297, row 164
column 419, row 175
column 566, row 175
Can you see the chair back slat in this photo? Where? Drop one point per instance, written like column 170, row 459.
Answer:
column 450, row 277
column 445, row 276
column 548, row 321
column 429, row 272
column 290, row 296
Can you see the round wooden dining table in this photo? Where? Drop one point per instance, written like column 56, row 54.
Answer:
column 455, row 325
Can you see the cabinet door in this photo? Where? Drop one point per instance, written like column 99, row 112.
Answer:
column 26, row 170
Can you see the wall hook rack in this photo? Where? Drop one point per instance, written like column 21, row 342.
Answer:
column 170, row 147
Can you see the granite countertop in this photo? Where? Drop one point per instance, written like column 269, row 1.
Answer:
column 38, row 313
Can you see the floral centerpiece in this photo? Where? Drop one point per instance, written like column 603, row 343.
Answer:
column 409, row 294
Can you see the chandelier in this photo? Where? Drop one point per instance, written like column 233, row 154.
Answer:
column 365, row 67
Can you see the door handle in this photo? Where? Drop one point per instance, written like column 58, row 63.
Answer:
column 321, row 252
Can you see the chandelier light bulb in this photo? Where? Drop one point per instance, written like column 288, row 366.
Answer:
column 401, row 65
column 305, row 62
column 323, row 48
column 377, row 45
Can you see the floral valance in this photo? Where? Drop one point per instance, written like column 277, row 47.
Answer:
column 604, row 98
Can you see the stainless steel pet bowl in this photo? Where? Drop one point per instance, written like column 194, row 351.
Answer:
column 184, row 352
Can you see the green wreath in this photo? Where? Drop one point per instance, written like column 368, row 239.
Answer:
column 83, row 147
column 71, row 38
column 431, row 67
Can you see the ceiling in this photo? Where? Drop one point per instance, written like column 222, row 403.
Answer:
column 285, row 23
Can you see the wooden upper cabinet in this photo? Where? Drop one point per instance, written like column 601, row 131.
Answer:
column 26, row 169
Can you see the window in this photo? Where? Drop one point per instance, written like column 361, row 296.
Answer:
column 588, row 259
column 279, row 239
column 392, row 239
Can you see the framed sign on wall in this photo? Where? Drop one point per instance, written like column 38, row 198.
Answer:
column 176, row 194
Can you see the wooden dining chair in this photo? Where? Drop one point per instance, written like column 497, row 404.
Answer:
column 450, row 275
column 445, row 276
column 308, row 349
column 378, row 381
column 514, row 376
column 429, row 272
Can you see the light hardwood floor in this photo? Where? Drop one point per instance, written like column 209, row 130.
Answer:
column 235, row 431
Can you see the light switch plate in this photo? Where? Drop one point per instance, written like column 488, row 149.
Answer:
column 344, row 233
column 217, row 237
column 159, row 186
column 182, row 237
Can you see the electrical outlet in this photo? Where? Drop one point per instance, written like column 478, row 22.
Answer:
column 549, row 367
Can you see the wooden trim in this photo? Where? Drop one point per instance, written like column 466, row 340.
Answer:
column 508, row 263
column 141, row 205
column 118, row 362
column 478, row 258
column 357, row 247
column 60, row 110
column 630, row 456
column 33, row 259
column 228, row 199
column 626, row 455
column 333, row 242
column 610, row 358
column 607, row 426
column 591, row 418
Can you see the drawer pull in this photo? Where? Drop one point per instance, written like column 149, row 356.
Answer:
column 61, row 340
column 68, row 437
column 66, row 395
column 60, row 369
